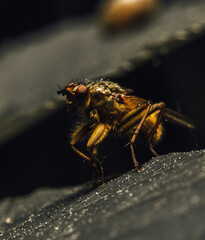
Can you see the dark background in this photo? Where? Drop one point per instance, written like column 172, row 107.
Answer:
column 40, row 154
column 19, row 17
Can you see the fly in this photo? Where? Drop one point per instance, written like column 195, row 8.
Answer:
column 106, row 108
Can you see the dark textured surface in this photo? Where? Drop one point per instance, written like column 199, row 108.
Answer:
column 164, row 201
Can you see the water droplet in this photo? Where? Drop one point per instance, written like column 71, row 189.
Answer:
column 8, row 220
column 130, row 194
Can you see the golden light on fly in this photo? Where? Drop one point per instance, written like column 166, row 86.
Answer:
column 117, row 14
column 108, row 109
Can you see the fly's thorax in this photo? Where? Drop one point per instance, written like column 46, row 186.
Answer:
column 100, row 101
column 107, row 88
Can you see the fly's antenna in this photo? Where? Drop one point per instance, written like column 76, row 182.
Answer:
column 61, row 91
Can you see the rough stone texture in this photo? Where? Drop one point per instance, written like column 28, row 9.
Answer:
column 164, row 201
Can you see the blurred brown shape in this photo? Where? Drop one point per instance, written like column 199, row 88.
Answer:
column 122, row 13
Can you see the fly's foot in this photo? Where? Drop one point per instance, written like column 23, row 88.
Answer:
column 140, row 168
column 100, row 182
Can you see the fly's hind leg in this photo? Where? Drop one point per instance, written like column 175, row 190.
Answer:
column 150, row 110
column 160, row 106
column 138, row 167
column 138, row 117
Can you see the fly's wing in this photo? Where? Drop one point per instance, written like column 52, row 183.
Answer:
column 134, row 100
column 169, row 114
column 178, row 118
column 128, row 91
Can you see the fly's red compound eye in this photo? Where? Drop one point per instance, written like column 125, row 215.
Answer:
column 81, row 92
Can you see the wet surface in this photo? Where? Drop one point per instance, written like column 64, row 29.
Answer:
column 164, row 201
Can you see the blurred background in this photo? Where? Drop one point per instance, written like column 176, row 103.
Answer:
column 154, row 47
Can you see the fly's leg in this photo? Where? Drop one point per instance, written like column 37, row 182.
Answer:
column 76, row 137
column 138, row 117
column 132, row 117
column 97, row 136
column 139, row 168
column 95, row 150
column 161, row 107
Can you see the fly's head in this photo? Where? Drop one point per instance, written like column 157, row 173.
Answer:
column 77, row 96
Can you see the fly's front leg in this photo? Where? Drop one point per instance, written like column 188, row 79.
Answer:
column 95, row 150
column 97, row 136
column 77, row 136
